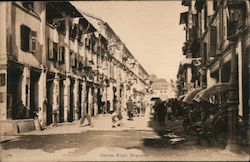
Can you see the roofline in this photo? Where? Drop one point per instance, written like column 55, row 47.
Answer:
column 143, row 69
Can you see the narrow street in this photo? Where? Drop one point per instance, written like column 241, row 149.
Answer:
column 139, row 140
column 125, row 80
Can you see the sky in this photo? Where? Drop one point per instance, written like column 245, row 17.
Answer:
column 149, row 29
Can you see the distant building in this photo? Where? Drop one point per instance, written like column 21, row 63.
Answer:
column 163, row 89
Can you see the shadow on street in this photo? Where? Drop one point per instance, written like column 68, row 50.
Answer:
column 171, row 135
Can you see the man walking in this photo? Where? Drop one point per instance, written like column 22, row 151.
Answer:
column 160, row 112
column 169, row 112
column 116, row 117
column 84, row 116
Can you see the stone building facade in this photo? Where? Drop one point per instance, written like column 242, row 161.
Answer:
column 56, row 65
column 207, row 45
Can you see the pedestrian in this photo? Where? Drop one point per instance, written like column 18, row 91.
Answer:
column 143, row 108
column 155, row 108
column 169, row 112
column 84, row 116
column 160, row 112
column 138, row 108
column 116, row 118
column 104, row 108
column 130, row 106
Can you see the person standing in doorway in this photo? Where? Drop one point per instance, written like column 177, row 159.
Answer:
column 130, row 106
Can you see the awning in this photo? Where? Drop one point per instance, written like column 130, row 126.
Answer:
column 63, row 6
column 88, row 27
column 184, row 18
column 215, row 89
column 190, row 95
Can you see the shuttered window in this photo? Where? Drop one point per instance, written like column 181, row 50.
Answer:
column 28, row 39
column 25, row 38
column 213, row 40
column 184, row 18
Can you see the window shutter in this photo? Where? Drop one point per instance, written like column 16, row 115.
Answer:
column 87, row 42
column 75, row 30
column 213, row 41
column 55, row 50
column 72, row 59
column 50, row 49
column 25, row 33
column 80, row 62
column 61, row 55
column 33, row 41
column 183, row 18
column 8, row 43
column 76, row 60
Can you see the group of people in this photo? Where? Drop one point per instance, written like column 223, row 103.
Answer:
column 134, row 109
column 161, row 109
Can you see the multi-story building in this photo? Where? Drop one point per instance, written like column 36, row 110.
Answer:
column 209, row 29
column 127, row 76
column 55, row 64
column 163, row 89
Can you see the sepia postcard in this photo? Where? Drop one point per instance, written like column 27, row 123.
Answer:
column 127, row 80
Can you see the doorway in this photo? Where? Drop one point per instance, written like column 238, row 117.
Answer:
column 34, row 78
column 49, row 87
column 14, row 93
